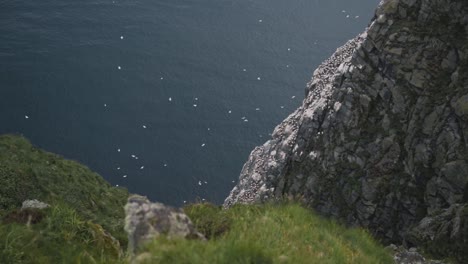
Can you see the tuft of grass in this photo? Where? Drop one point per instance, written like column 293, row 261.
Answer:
column 84, row 223
column 285, row 233
column 27, row 172
column 60, row 237
column 84, row 208
column 209, row 219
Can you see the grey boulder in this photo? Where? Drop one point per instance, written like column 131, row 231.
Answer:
column 145, row 221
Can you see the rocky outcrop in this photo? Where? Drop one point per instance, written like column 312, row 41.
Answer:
column 381, row 139
column 402, row 255
column 145, row 220
column 34, row 204
column 443, row 233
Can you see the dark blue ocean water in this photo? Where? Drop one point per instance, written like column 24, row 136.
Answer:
column 189, row 87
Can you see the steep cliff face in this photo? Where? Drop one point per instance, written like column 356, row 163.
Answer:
column 381, row 139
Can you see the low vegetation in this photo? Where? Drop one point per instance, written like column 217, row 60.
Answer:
column 85, row 222
column 61, row 236
column 86, row 211
column 266, row 234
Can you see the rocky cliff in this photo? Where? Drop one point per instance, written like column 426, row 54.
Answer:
column 381, row 139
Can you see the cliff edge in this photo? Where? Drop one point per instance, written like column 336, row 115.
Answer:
column 381, row 139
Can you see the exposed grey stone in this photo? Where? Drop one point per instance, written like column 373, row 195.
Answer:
column 34, row 204
column 461, row 106
column 418, row 78
column 381, row 139
column 456, row 173
column 409, row 256
column 145, row 220
column 442, row 231
column 451, row 61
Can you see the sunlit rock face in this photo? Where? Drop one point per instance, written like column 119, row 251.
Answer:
column 381, row 139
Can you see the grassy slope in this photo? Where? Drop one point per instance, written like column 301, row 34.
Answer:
column 61, row 236
column 70, row 231
column 82, row 202
column 266, row 234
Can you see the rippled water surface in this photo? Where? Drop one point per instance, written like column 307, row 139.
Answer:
column 164, row 97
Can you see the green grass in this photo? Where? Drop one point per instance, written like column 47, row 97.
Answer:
column 85, row 209
column 27, row 172
column 60, row 237
column 266, row 234
column 86, row 215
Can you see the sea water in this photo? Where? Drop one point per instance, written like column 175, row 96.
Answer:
column 164, row 97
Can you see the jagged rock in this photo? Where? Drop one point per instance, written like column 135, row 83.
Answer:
column 34, row 204
column 409, row 256
column 444, row 232
column 381, row 139
column 145, row 220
